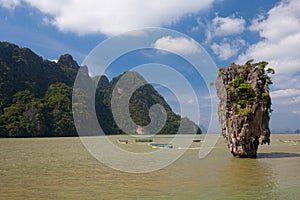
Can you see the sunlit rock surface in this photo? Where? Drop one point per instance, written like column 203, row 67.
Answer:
column 244, row 107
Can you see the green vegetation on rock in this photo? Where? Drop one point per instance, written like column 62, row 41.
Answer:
column 244, row 106
column 241, row 93
column 36, row 97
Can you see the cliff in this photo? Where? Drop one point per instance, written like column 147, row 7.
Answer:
column 36, row 97
column 244, row 106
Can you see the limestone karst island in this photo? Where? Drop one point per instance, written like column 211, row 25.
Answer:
column 244, row 106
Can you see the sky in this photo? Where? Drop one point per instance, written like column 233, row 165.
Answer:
column 228, row 30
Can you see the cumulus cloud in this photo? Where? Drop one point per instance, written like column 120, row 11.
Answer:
column 111, row 17
column 179, row 45
column 9, row 4
column 227, row 49
column 224, row 50
column 282, row 20
column 225, row 26
column 228, row 26
column 280, row 31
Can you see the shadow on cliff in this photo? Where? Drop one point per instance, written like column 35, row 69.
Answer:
column 277, row 155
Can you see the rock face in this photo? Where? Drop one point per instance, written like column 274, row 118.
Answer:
column 244, row 107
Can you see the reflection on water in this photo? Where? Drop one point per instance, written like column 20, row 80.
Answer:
column 278, row 155
column 244, row 178
column 61, row 168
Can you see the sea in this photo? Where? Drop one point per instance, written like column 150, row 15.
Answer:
column 63, row 168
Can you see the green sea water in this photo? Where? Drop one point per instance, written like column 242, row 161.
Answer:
column 61, row 168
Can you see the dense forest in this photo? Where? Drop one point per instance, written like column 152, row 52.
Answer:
column 36, row 97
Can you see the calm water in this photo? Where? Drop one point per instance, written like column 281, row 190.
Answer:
column 61, row 168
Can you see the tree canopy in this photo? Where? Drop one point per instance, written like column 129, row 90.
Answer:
column 36, row 97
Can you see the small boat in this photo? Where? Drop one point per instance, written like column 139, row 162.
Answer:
column 289, row 141
column 123, row 141
column 285, row 141
column 196, row 140
column 143, row 140
column 161, row 146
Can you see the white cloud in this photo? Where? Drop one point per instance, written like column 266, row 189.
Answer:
column 282, row 20
column 286, row 101
column 283, row 55
column 54, row 60
column 284, row 81
column 280, row 40
column 296, row 112
column 224, row 50
column 286, row 104
column 227, row 49
column 285, row 93
column 200, row 24
column 281, row 32
column 225, row 26
column 228, row 26
column 113, row 16
column 9, row 4
column 179, row 45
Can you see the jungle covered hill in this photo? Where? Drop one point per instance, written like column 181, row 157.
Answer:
column 36, row 97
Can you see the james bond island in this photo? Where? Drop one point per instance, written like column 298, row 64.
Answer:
column 244, row 106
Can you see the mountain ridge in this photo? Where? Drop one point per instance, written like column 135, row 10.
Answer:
column 36, row 97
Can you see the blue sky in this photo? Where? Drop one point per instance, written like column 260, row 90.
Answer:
column 229, row 30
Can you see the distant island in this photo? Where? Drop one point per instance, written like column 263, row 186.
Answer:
column 36, row 97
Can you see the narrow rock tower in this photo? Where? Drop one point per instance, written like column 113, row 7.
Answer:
column 244, row 106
